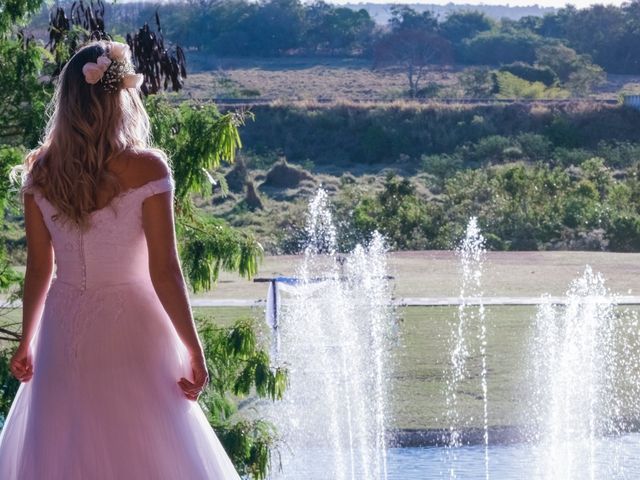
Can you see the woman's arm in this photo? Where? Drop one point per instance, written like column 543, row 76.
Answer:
column 37, row 279
column 168, row 281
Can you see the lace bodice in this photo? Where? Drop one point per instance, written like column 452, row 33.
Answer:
column 114, row 250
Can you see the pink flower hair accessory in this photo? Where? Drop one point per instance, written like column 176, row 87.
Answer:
column 94, row 71
column 113, row 69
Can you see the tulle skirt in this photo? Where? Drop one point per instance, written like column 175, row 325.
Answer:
column 103, row 402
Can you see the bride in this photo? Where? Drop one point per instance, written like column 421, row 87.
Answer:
column 110, row 362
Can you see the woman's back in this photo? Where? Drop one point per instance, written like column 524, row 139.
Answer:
column 103, row 402
column 113, row 250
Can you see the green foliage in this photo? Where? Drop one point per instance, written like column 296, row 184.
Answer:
column 8, row 383
column 564, row 133
column 624, row 234
column 208, row 245
column 535, row 147
column 14, row 13
column 520, row 206
column 477, row 82
column 511, row 86
column 198, row 139
column 490, row 149
column 402, row 216
column 561, row 59
column 9, row 156
column 495, row 47
column 406, row 18
column 238, row 368
column 465, row 24
column 23, row 96
column 607, row 35
column 532, row 73
column 401, row 135
column 584, row 80
column 441, row 166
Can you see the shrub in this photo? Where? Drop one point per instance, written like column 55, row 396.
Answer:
column 564, row 133
column 491, row 48
column 511, row 86
column 491, row 149
column 532, row 73
column 534, row 146
column 441, row 166
column 624, row 234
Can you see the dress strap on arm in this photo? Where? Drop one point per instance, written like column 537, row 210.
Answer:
column 161, row 185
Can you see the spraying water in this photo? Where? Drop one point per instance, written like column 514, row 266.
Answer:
column 470, row 323
column 335, row 330
column 582, row 354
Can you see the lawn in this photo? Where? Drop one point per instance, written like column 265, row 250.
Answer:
column 436, row 274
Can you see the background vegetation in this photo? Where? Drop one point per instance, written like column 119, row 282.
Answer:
column 608, row 34
column 559, row 176
column 541, row 173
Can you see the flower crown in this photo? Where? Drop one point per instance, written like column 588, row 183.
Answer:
column 113, row 68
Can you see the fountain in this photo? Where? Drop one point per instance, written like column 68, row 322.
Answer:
column 470, row 322
column 334, row 329
column 582, row 359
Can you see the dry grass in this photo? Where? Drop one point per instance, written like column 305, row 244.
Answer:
column 436, row 274
column 306, row 79
column 295, row 79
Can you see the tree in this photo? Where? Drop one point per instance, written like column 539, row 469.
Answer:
column 238, row 366
column 491, row 48
column 198, row 139
column 461, row 25
column 398, row 212
column 413, row 43
column 336, row 30
column 576, row 71
column 406, row 18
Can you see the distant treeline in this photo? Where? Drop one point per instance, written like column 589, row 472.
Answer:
column 609, row 35
column 380, row 11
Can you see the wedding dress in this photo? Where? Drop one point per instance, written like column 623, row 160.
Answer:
column 103, row 402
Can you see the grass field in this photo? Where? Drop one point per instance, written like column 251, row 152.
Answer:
column 436, row 274
column 420, row 361
column 330, row 78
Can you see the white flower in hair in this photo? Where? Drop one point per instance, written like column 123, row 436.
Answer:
column 119, row 51
column 132, row 80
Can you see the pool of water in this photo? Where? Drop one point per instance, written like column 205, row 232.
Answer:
column 608, row 459
column 612, row 458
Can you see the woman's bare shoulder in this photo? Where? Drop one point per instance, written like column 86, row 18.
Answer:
column 143, row 166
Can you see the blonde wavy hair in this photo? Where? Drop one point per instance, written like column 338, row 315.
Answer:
column 87, row 127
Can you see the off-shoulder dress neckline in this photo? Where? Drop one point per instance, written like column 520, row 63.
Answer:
column 128, row 191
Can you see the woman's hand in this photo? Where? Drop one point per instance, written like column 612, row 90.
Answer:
column 192, row 389
column 21, row 363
